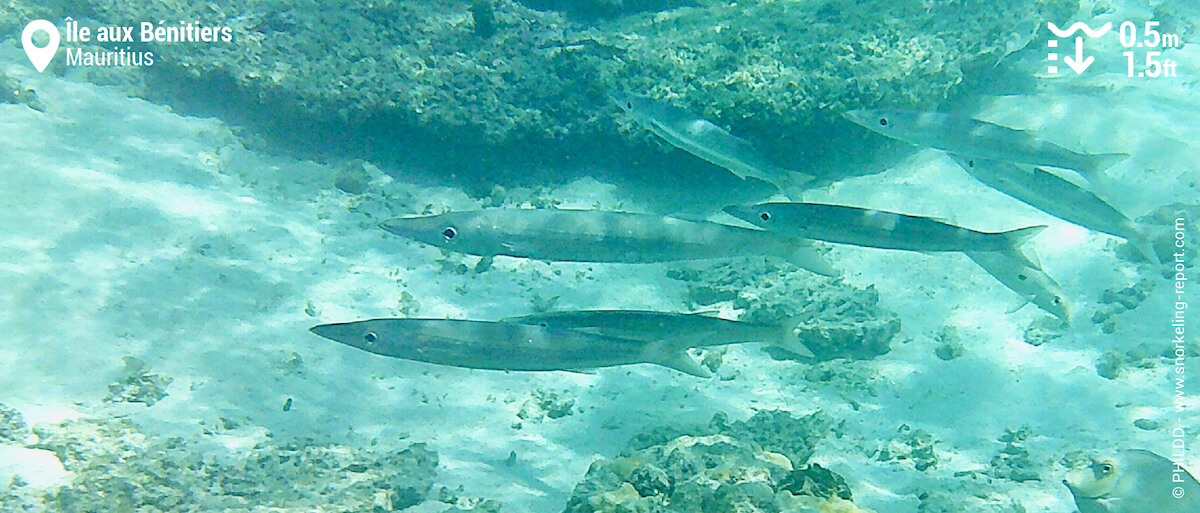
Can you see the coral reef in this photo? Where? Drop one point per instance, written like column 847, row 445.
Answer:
column 834, row 319
column 12, row 426
column 500, row 73
column 760, row 464
column 118, row 467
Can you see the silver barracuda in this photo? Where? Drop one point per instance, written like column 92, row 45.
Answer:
column 599, row 236
column 1060, row 198
column 1033, row 285
column 504, row 345
column 973, row 138
column 706, row 140
column 877, row 228
column 691, row 330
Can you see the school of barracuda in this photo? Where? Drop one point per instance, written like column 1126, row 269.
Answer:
column 1013, row 162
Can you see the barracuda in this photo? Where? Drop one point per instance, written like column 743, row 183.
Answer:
column 970, row 137
column 1060, row 198
column 878, row 229
column 706, row 140
column 598, row 236
column 504, row 345
column 691, row 330
column 1031, row 284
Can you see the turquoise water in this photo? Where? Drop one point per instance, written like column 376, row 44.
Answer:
column 173, row 231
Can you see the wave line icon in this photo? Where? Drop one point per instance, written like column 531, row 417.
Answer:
column 1077, row 26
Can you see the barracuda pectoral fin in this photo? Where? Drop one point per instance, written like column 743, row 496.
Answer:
column 674, row 356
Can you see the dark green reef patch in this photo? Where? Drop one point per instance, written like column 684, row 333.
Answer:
column 506, row 84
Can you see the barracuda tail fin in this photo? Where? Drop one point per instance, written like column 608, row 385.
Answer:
column 1146, row 249
column 1097, row 163
column 1020, row 236
column 1017, row 238
column 674, row 355
column 794, row 183
column 808, row 258
column 788, row 340
column 1135, row 235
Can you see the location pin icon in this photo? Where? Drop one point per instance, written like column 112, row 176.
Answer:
column 40, row 57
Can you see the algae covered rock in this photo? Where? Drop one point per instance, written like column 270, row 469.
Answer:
column 138, row 384
column 11, row 91
column 910, row 446
column 760, row 464
column 546, row 404
column 1013, row 460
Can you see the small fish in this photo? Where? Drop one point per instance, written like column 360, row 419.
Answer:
column 1060, row 198
column 706, row 140
column 504, row 345
column 599, row 236
column 878, row 229
column 1032, row 284
column 1135, row 481
column 691, row 330
column 980, row 139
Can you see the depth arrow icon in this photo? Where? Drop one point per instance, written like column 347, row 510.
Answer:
column 1079, row 64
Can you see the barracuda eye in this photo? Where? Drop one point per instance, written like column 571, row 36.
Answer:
column 1022, row 277
column 449, row 233
column 371, row 337
column 765, row 216
column 971, row 163
column 1106, row 468
column 1057, row 301
column 883, row 122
